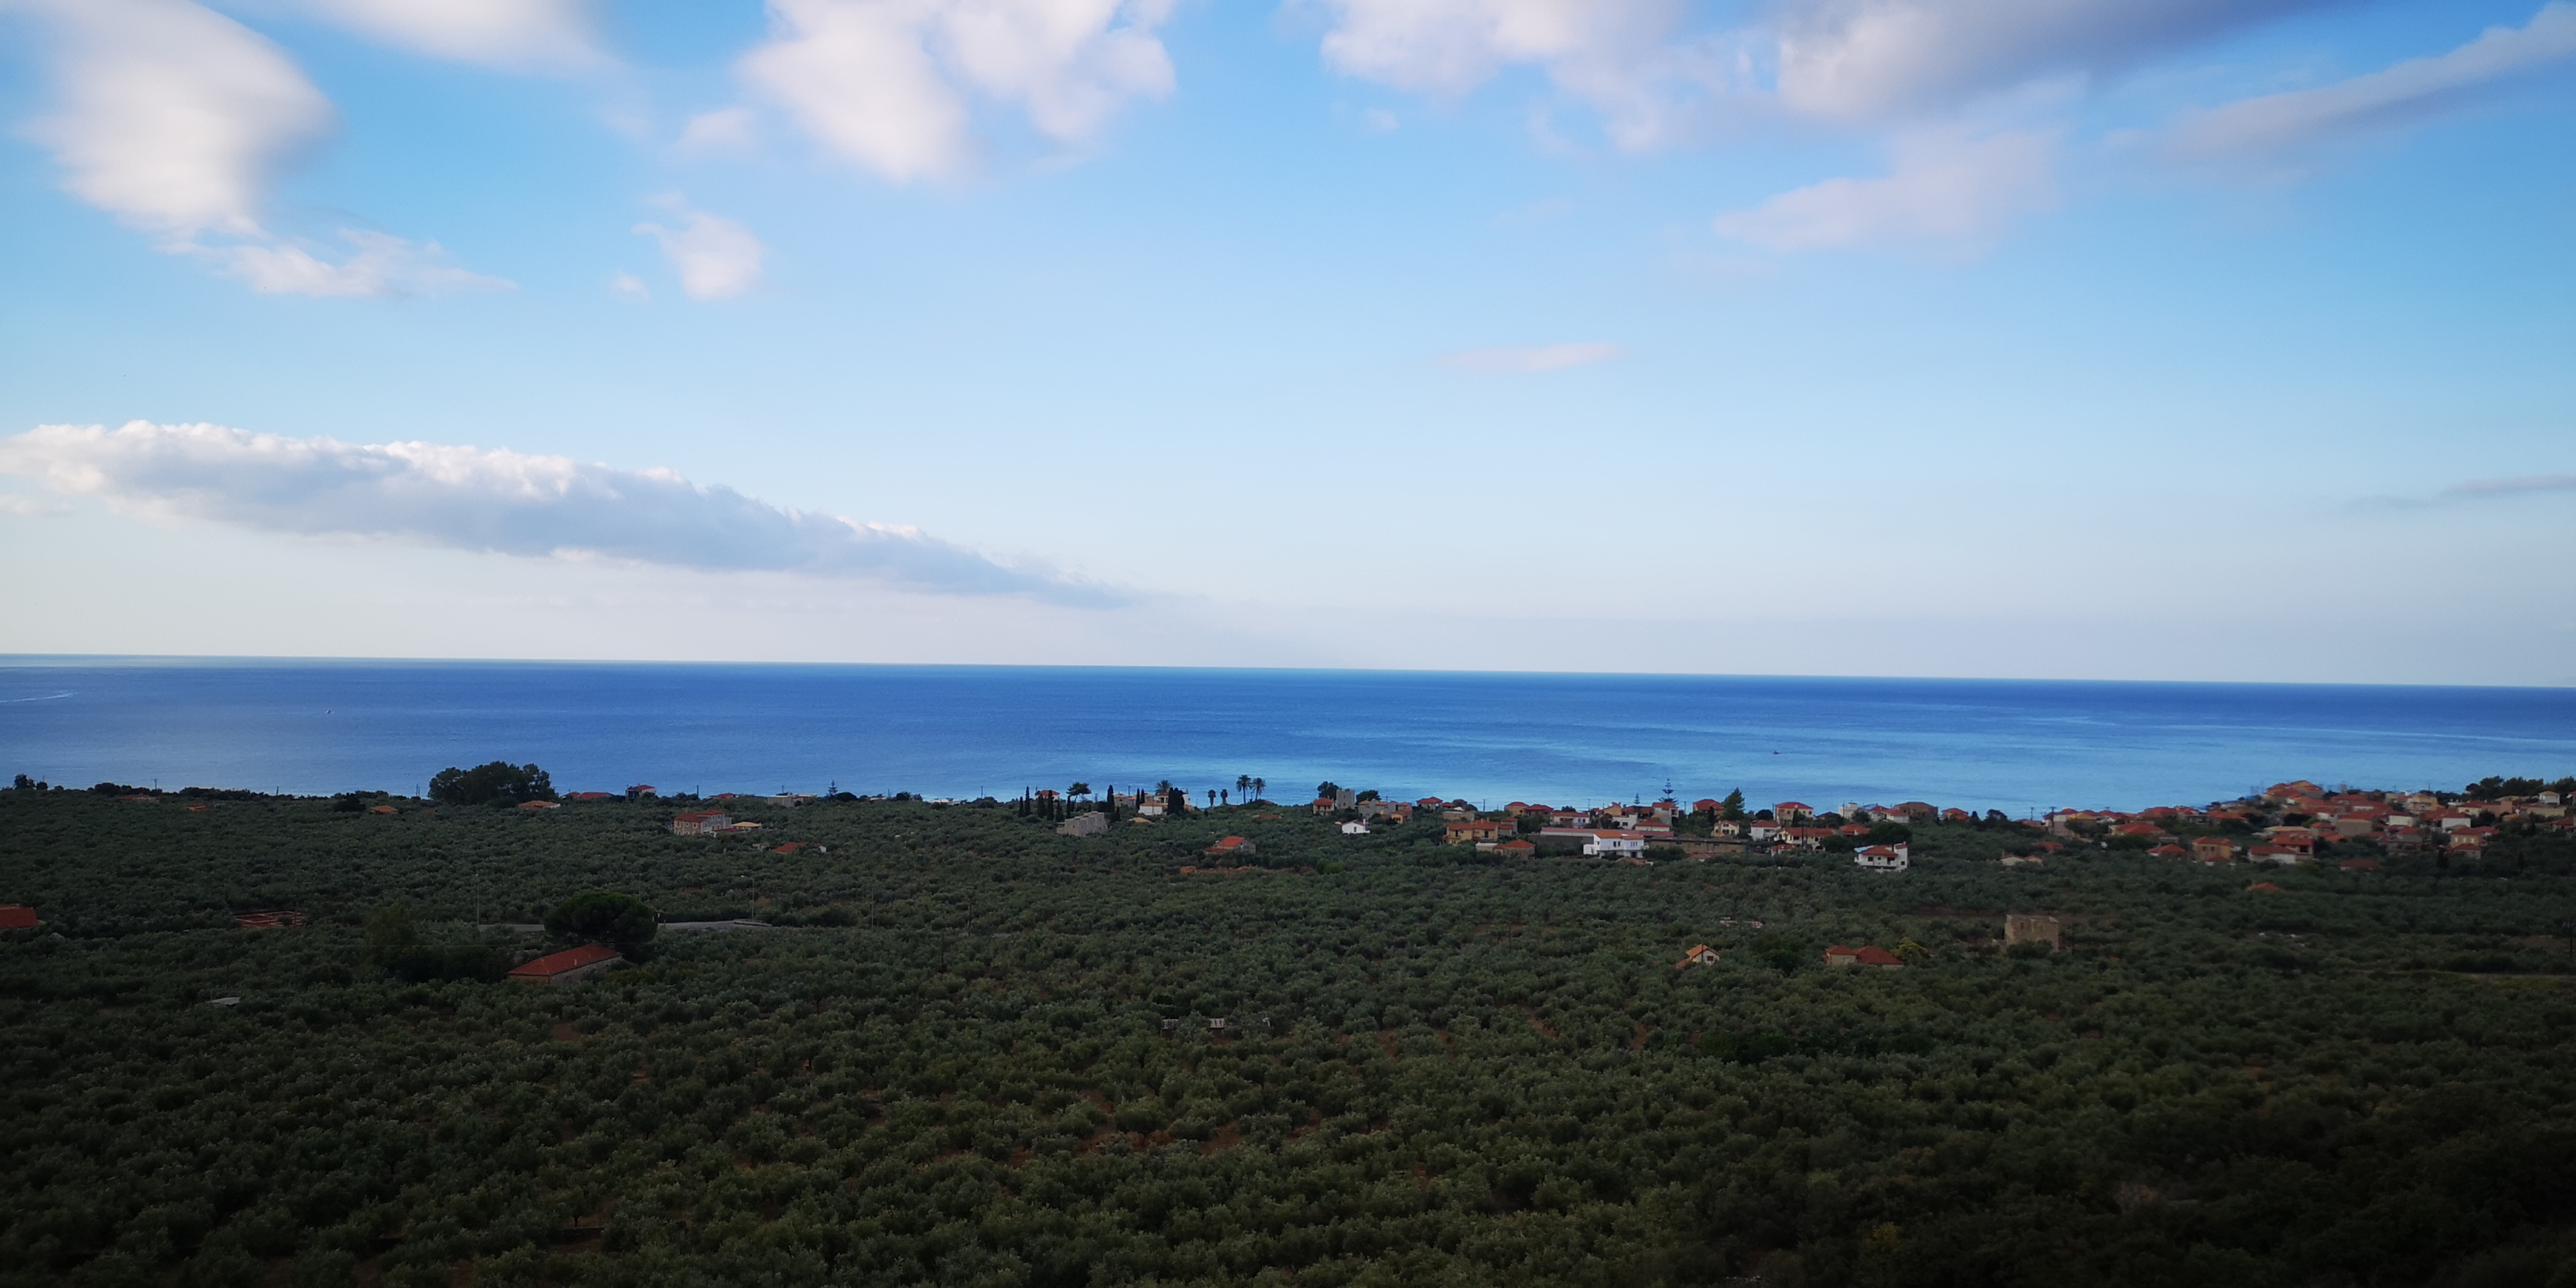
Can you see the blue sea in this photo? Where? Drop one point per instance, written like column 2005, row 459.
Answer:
column 2020, row 746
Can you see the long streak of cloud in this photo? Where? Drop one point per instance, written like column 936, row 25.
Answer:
column 499, row 501
column 2277, row 124
column 1946, row 191
column 500, row 33
column 1545, row 357
column 1652, row 74
column 1870, row 59
column 2512, row 486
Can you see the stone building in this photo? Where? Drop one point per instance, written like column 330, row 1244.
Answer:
column 2033, row 928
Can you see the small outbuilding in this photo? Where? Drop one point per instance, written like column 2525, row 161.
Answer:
column 1865, row 955
column 1699, row 955
column 1231, row 847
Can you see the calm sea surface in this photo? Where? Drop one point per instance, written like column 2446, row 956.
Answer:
column 315, row 727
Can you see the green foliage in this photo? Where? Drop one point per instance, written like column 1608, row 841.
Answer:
column 391, row 927
column 953, row 1069
column 600, row 915
column 498, row 783
column 393, row 945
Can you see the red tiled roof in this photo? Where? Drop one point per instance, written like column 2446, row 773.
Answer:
column 568, row 959
column 16, row 917
column 1873, row 955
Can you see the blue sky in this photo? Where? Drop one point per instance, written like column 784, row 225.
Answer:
column 2085, row 338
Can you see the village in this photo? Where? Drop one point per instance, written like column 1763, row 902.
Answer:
column 2288, row 824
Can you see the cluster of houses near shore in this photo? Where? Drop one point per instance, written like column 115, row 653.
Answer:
column 2300, row 822
column 2288, row 823
column 1623, row 833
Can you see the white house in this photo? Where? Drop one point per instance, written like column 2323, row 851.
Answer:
column 1615, row 845
column 1355, row 829
column 1884, row 858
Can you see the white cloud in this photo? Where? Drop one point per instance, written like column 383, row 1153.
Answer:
column 1656, row 74
column 1623, row 58
column 502, row 33
column 2514, row 486
column 2276, row 124
column 176, row 119
column 378, row 264
column 171, row 116
column 715, row 257
column 887, row 83
column 1873, row 58
column 497, row 501
column 1448, row 47
column 627, row 286
column 1545, row 357
column 1945, row 190
column 726, row 129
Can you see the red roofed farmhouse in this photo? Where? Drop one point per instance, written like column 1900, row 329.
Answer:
column 16, row 917
column 1232, row 845
column 1865, row 955
column 571, row 966
column 701, row 823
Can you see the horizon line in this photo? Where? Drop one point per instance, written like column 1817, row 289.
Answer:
column 15, row 660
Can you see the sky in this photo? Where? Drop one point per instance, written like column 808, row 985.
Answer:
column 2120, row 339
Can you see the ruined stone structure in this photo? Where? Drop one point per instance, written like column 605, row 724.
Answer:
column 2033, row 928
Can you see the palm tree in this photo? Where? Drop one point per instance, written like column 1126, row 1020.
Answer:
column 1258, row 788
column 1243, row 785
